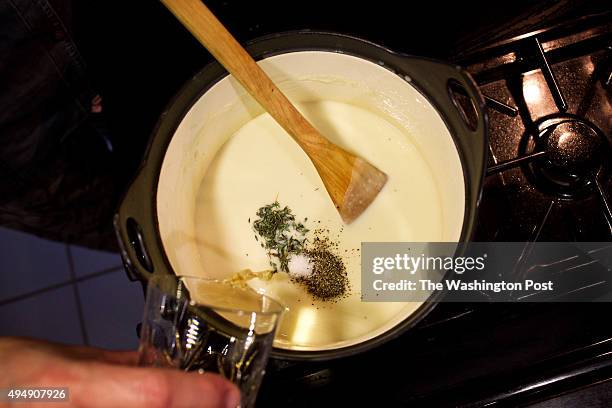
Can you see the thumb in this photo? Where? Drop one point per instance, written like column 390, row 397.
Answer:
column 107, row 385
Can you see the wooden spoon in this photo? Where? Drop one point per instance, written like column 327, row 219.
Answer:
column 351, row 182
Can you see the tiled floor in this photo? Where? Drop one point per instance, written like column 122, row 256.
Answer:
column 66, row 293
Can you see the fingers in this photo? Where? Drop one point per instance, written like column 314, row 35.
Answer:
column 101, row 355
column 120, row 357
column 97, row 378
column 74, row 352
column 108, row 385
column 96, row 354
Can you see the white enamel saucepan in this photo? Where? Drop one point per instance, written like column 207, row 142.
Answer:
column 439, row 107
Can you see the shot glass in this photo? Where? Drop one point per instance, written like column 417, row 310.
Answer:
column 203, row 325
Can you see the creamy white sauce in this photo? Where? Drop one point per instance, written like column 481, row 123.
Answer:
column 261, row 163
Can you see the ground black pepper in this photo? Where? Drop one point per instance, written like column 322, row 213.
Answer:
column 329, row 279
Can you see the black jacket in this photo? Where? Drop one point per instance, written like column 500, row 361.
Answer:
column 56, row 175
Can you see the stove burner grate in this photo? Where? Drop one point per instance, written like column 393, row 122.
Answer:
column 568, row 155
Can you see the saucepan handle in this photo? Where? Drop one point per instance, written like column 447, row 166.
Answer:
column 141, row 250
column 457, row 98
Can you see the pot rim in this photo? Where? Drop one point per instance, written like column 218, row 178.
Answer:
column 140, row 264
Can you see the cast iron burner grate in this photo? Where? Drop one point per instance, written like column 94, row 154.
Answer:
column 549, row 99
column 567, row 157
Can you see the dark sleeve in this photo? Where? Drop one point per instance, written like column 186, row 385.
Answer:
column 53, row 178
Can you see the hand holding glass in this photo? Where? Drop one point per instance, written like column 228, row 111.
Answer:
column 202, row 325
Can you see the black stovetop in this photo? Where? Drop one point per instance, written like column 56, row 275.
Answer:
column 539, row 84
column 460, row 354
column 550, row 132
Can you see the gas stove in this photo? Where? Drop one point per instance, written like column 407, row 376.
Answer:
column 549, row 94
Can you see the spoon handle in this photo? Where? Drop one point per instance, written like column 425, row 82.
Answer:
column 209, row 31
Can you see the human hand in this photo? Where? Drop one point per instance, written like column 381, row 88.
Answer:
column 99, row 378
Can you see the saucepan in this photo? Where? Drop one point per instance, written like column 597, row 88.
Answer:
column 436, row 103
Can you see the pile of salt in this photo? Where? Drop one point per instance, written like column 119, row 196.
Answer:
column 300, row 266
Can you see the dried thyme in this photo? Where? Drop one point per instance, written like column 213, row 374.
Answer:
column 281, row 234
